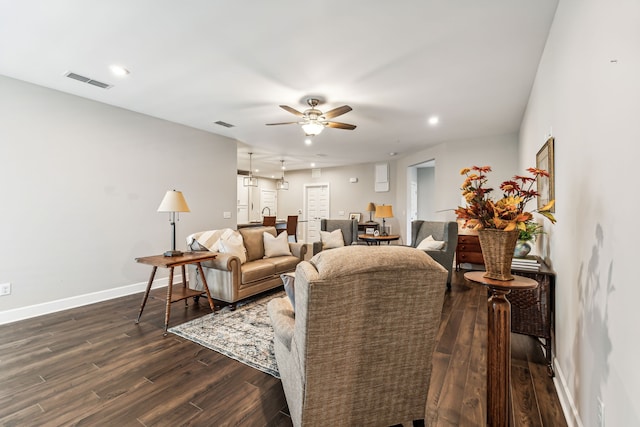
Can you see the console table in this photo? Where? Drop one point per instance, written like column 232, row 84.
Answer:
column 532, row 310
column 185, row 292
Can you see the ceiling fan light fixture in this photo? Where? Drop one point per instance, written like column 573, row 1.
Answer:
column 312, row 128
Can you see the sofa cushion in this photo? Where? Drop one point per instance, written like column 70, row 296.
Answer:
column 233, row 245
column 429, row 244
column 331, row 239
column 257, row 270
column 254, row 241
column 276, row 246
column 283, row 264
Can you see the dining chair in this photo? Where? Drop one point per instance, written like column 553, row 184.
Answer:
column 269, row 221
column 292, row 227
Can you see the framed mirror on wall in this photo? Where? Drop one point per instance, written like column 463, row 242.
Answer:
column 545, row 185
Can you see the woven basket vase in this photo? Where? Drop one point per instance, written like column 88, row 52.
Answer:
column 497, row 251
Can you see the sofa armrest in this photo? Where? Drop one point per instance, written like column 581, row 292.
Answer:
column 224, row 262
column 282, row 320
column 298, row 250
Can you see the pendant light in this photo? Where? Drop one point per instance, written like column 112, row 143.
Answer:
column 281, row 184
column 250, row 181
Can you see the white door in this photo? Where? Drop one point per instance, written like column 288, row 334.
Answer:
column 242, row 193
column 316, row 207
column 268, row 202
column 243, row 214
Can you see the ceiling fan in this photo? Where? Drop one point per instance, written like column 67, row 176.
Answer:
column 313, row 120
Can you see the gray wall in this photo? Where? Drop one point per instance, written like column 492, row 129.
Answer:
column 345, row 197
column 426, row 193
column 81, row 185
column 591, row 106
column 500, row 152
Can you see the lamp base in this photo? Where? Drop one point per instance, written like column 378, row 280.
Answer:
column 173, row 253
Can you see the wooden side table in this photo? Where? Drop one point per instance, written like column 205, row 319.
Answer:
column 499, row 343
column 375, row 240
column 171, row 262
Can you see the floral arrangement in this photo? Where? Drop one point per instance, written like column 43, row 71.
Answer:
column 507, row 213
column 531, row 230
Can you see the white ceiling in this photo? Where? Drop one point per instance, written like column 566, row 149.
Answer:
column 396, row 63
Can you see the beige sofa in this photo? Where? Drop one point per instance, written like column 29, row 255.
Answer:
column 229, row 280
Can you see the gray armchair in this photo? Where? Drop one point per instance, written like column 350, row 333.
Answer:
column 349, row 231
column 446, row 231
column 358, row 349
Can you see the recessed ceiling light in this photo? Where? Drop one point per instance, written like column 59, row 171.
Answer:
column 313, row 165
column 393, row 153
column 307, row 141
column 434, row 120
column 119, row 70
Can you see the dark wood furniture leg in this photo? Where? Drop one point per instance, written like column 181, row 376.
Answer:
column 167, row 312
column 206, row 286
column 146, row 293
column 498, row 358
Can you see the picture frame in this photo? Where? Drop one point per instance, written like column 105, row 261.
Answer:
column 355, row 215
column 545, row 185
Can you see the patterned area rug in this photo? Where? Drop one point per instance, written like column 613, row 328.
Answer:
column 245, row 334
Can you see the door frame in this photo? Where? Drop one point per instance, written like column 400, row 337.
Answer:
column 305, row 210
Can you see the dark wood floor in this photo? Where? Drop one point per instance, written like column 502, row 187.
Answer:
column 94, row 366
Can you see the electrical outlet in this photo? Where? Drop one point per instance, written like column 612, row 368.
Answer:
column 5, row 289
column 600, row 412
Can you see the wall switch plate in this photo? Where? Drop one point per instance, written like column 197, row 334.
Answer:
column 5, row 289
column 226, row 215
column 340, row 213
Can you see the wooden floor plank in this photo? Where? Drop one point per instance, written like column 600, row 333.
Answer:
column 94, row 366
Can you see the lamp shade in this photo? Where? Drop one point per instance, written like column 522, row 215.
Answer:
column 173, row 202
column 384, row 211
column 371, row 207
column 312, row 128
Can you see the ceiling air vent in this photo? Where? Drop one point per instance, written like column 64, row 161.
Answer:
column 225, row 124
column 88, row 80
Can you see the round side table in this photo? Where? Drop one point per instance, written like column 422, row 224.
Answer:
column 499, row 343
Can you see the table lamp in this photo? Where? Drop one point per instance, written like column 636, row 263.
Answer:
column 371, row 207
column 173, row 202
column 384, row 211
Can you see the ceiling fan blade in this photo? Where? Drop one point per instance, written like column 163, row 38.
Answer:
column 337, row 112
column 339, row 125
column 283, row 123
column 292, row 110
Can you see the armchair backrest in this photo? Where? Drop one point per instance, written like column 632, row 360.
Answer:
column 349, row 229
column 365, row 325
column 446, row 231
column 443, row 231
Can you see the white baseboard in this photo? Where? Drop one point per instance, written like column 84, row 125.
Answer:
column 566, row 399
column 35, row 310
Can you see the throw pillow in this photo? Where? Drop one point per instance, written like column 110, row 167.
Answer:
column 331, row 239
column 233, row 245
column 276, row 246
column 208, row 240
column 289, row 279
column 429, row 244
